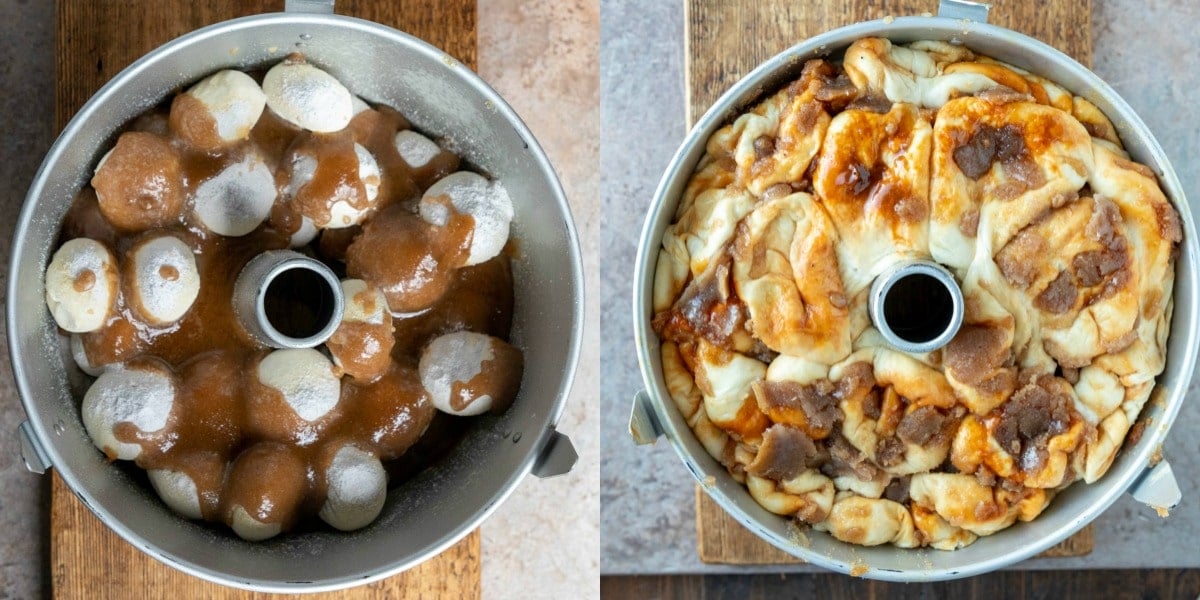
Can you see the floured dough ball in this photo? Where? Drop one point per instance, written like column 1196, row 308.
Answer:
column 468, row 373
column 294, row 391
column 79, row 353
column 218, row 111
column 162, row 279
column 193, row 489
column 409, row 260
column 346, row 188
column 362, row 344
column 416, row 149
column 237, row 199
column 139, row 183
column 392, row 411
column 304, row 235
column 307, row 96
column 470, row 194
column 127, row 401
column 81, row 285
column 356, row 488
column 264, row 490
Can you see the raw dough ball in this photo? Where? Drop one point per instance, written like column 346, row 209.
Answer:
column 357, row 487
column 405, row 257
column 307, row 96
column 81, row 285
column 295, row 391
column 139, row 183
column 416, row 149
column 140, row 393
column 79, row 353
column 264, row 490
column 238, row 199
column 304, row 235
column 218, row 111
column 195, row 489
column 468, row 373
column 340, row 205
column 162, row 279
column 362, row 344
column 392, row 411
column 470, row 194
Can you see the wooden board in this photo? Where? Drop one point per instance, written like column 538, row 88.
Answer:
column 725, row 40
column 95, row 41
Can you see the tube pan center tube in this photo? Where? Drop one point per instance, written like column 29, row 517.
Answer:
column 916, row 305
column 288, row 300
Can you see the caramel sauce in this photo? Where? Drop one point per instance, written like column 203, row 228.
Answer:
column 84, row 281
column 501, row 375
column 236, row 438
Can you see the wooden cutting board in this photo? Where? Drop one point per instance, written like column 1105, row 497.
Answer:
column 725, row 40
column 95, row 40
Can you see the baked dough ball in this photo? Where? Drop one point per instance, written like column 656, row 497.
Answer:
column 218, row 111
column 81, row 285
column 794, row 293
column 127, row 406
column 139, row 183
column 468, row 373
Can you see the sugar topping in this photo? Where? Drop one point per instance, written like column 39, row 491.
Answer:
column 165, row 279
column 308, row 97
column 305, row 379
column 140, row 394
column 487, row 202
column 238, row 199
column 416, row 149
column 81, row 285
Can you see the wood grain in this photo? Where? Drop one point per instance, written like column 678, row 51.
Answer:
column 1132, row 584
column 98, row 39
column 95, row 40
column 724, row 41
column 722, row 540
column 89, row 561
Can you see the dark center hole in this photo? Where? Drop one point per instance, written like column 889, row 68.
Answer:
column 918, row 308
column 298, row 303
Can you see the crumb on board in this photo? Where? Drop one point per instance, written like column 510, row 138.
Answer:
column 1162, row 511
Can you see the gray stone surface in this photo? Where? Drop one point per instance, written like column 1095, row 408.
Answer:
column 27, row 109
column 1144, row 49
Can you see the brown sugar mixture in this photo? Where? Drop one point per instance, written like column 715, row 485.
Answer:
column 231, row 431
column 1061, row 245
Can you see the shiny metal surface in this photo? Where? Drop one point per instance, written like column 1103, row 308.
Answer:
column 250, row 297
column 1071, row 509
column 884, row 286
column 442, row 504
